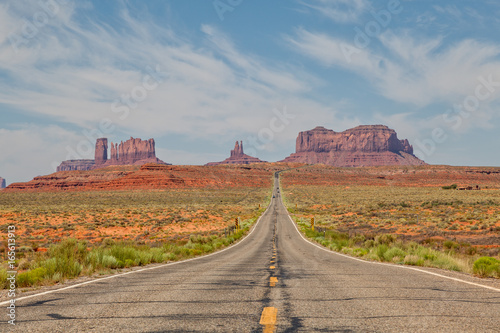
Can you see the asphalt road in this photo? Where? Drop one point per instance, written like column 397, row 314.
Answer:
column 271, row 280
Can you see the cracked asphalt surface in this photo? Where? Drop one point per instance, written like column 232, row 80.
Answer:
column 316, row 291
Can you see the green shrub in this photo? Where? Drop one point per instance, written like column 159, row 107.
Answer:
column 157, row 255
column 386, row 239
column 129, row 263
column 122, row 253
column 381, row 250
column 109, row 261
column 359, row 252
column 394, row 252
column 448, row 244
column 446, row 262
column 413, row 260
column 66, row 258
column 31, row 278
column 3, row 278
column 369, row 243
column 487, row 267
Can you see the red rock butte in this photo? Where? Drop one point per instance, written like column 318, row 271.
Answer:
column 130, row 152
column 370, row 145
column 238, row 157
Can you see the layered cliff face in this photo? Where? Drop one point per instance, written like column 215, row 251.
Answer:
column 360, row 146
column 2, row 183
column 238, row 157
column 80, row 165
column 133, row 150
column 130, row 152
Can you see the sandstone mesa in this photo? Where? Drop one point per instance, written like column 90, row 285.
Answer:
column 130, row 152
column 369, row 145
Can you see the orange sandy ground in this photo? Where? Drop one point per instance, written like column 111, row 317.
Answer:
column 37, row 232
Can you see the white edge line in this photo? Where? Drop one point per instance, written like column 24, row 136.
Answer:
column 385, row 264
column 143, row 269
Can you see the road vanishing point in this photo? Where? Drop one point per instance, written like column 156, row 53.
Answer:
column 271, row 281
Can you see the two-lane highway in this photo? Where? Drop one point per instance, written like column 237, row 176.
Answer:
column 271, row 280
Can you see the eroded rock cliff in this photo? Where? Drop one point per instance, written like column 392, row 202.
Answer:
column 370, row 145
column 130, row 152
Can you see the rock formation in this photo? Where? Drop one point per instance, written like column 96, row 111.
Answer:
column 360, row 146
column 238, row 149
column 80, row 165
column 238, row 157
column 101, row 152
column 133, row 151
column 130, row 152
column 2, row 183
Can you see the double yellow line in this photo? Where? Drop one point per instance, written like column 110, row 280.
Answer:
column 269, row 315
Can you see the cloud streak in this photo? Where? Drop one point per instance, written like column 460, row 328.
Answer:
column 405, row 68
column 340, row 11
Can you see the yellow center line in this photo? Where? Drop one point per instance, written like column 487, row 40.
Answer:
column 272, row 267
column 268, row 319
column 272, row 281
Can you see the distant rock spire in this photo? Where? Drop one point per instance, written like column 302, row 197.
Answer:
column 238, row 156
column 101, row 151
column 238, row 149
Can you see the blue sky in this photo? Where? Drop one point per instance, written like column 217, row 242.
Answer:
column 199, row 75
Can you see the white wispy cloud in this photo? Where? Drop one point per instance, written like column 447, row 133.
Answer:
column 340, row 11
column 29, row 146
column 76, row 73
column 409, row 69
column 450, row 10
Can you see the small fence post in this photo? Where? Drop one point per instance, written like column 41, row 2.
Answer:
column 312, row 223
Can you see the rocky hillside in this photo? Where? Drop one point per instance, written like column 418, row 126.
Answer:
column 151, row 176
column 373, row 145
